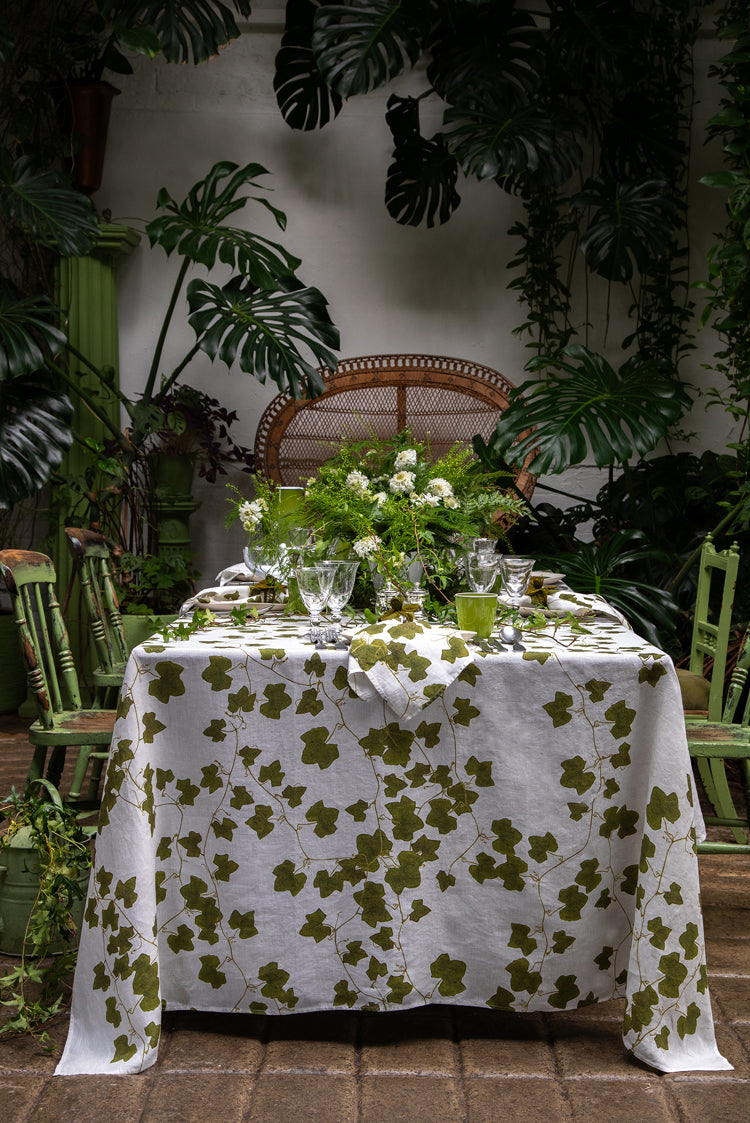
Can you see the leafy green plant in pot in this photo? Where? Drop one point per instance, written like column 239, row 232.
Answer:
column 44, row 863
column 263, row 319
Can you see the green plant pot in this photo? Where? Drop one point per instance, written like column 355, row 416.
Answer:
column 12, row 669
column 19, row 887
column 139, row 628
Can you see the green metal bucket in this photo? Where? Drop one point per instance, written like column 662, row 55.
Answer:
column 19, row 887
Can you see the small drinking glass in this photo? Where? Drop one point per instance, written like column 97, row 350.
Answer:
column 342, row 586
column 476, row 612
column 481, row 571
column 515, row 574
column 314, row 584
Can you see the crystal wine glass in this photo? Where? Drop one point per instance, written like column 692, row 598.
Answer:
column 314, row 584
column 515, row 574
column 481, row 571
column 344, row 576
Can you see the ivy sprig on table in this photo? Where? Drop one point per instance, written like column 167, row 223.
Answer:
column 203, row 618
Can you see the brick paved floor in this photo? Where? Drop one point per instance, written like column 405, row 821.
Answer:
column 442, row 1064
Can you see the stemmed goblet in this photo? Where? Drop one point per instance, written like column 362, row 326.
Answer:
column 314, row 584
column 515, row 574
column 344, row 576
column 481, row 570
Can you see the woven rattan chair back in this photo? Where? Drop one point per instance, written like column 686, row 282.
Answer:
column 441, row 400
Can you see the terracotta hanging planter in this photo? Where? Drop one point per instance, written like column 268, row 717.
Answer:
column 89, row 105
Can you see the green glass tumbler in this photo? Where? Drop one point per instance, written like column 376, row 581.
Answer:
column 476, row 613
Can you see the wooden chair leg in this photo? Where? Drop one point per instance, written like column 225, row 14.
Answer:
column 712, row 772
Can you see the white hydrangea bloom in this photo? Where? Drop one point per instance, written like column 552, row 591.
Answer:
column 380, row 497
column 402, row 482
column 252, row 512
column 441, row 487
column 358, row 483
column 426, row 500
column 451, row 501
column 407, row 458
column 364, row 547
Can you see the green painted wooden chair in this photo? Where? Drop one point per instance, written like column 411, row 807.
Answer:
column 711, row 743
column 702, row 692
column 62, row 722
column 93, row 563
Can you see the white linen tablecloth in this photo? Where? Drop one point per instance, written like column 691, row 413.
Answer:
column 271, row 843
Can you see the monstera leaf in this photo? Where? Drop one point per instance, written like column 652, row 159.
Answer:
column 194, row 228
column 489, row 44
column 263, row 331
column 631, row 223
column 52, row 211
column 28, row 337
column 586, row 405
column 35, row 434
column 362, row 45
column 421, row 182
column 188, row 30
column 495, row 137
column 302, row 95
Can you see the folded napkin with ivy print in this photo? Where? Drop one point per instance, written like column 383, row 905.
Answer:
column 407, row 663
column 559, row 602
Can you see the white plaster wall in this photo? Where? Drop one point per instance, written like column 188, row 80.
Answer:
column 391, row 288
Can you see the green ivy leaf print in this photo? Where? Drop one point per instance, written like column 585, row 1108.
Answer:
column 418, row 910
column 651, row 675
column 675, row 973
column 181, row 940
column 224, row 867
column 481, row 770
column 383, row 939
column 146, row 982
column 392, row 743
column 596, row 689
column 376, row 969
column 293, row 794
column 274, row 978
column 588, row 875
column 243, row 701
column 272, row 774
column 123, row 1049
column 689, row 941
column 399, row 988
column 261, row 820
column 406, row 822
column 371, row 899
column 541, row 846
column 271, row 653
column 561, row 941
column 243, row 924
column 248, row 755
column 216, row 730
column 506, row 836
column 465, row 712
column 502, row 999
column 446, row 880
column 113, row 1015
column 662, row 806
column 151, row 726
column 659, row 933
column 522, row 978
column 439, row 816
column 211, row 781
column 315, row 928
column 188, row 791
column 241, row 797
column 673, row 896
column 521, row 939
column 358, row 810
column 429, row 732
column 575, row 775
column 622, row 718
column 344, row 995
column 323, row 817
column 169, row 684
column 559, row 710
column 407, row 875
column 451, row 973
column 573, row 901
column 309, row 703
column 216, row 672
column 621, row 759
column 287, row 879
column 277, row 700
column 567, row 991
column 687, row 1023
column 125, row 892
column 318, row 749
column 353, row 953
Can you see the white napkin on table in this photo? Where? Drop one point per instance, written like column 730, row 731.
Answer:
column 562, row 601
column 406, row 663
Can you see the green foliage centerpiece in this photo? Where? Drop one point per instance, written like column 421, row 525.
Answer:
column 390, row 504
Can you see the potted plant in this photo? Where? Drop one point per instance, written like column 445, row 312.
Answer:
column 262, row 319
column 44, row 867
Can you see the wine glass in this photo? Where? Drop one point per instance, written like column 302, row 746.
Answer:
column 481, row 570
column 344, row 576
column 314, row 584
column 515, row 574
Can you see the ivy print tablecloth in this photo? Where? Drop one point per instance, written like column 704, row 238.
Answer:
column 269, row 842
